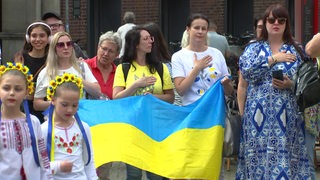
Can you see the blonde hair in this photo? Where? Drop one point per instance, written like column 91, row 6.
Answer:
column 52, row 59
column 185, row 39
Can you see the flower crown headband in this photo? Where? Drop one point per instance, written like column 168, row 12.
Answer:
column 66, row 77
column 20, row 67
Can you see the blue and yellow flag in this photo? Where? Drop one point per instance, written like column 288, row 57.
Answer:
column 172, row 141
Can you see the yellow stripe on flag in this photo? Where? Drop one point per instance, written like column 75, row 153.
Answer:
column 188, row 153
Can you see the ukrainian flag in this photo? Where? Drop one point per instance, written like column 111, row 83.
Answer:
column 172, row 141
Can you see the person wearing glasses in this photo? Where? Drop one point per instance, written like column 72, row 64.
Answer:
column 160, row 46
column 56, row 25
column 272, row 142
column 34, row 54
column 142, row 79
column 102, row 65
column 61, row 59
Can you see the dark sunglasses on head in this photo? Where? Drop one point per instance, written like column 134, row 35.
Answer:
column 272, row 20
column 63, row 44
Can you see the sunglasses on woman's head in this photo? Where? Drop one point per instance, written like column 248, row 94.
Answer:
column 272, row 20
column 64, row 44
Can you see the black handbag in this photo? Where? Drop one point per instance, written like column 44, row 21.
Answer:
column 307, row 85
column 233, row 125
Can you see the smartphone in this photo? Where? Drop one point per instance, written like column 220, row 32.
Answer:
column 277, row 74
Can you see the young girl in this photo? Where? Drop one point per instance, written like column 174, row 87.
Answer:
column 34, row 55
column 68, row 138
column 21, row 141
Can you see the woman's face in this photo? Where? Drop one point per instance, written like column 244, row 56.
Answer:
column 38, row 38
column 64, row 47
column 275, row 26
column 198, row 31
column 107, row 52
column 259, row 28
column 145, row 43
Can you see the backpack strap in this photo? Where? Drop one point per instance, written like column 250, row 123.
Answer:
column 83, row 71
column 125, row 70
column 50, row 135
column 85, row 137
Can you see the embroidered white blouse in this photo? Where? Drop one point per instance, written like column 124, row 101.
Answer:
column 16, row 150
column 69, row 145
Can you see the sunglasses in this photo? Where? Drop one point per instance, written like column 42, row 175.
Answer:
column 61, row 45
column 272, row 20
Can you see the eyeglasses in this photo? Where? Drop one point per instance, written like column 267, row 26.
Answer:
column 61, row 45
column 147, row 38
column 56, row 25
column 107, row 50
column 272, row 20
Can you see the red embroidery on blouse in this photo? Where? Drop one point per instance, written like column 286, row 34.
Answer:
column 68, row 146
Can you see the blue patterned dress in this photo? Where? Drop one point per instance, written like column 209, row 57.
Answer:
column 272, row 144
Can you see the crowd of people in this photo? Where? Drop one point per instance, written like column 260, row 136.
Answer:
column 47, row 140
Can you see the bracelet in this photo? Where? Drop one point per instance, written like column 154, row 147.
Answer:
column 274, row 59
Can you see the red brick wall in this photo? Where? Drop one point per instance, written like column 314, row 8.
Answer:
column 260, row 6
column 77, row 25
column 214, row 10
column 145, row 10
column 148, row 10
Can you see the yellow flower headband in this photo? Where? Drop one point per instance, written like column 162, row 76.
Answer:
column 24, row 69
column 66, row 77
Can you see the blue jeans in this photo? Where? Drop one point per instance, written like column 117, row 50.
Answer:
column 310, row 142
column 134, row 173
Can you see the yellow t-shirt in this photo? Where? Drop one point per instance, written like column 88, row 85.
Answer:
column 137, row 72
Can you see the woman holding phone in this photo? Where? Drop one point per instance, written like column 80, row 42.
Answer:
column 272, row 144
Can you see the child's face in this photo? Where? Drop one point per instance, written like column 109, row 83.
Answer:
column 13, row 90
column 66, row 104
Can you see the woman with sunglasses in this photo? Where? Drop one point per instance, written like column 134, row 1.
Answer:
column 272, row 144
column 142, row 78
column 62, row 59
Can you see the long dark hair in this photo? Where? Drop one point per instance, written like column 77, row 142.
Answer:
column 130, row 51
column 277, row 10
column 160, row 45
